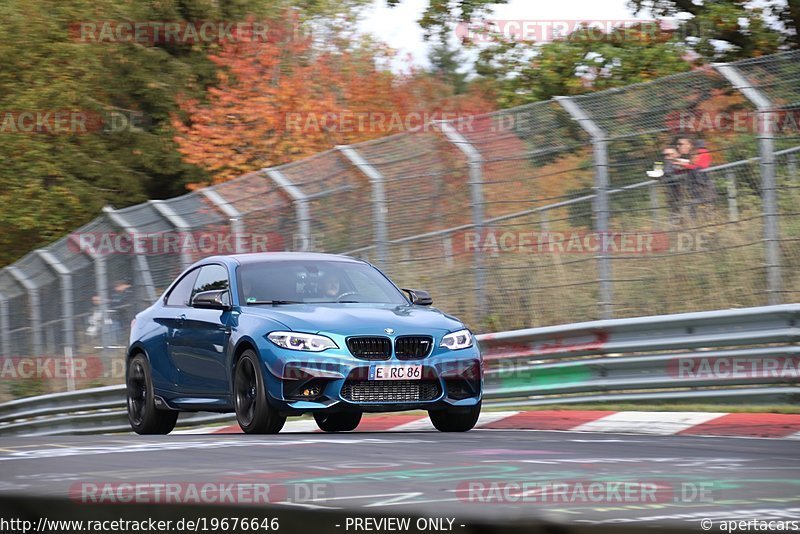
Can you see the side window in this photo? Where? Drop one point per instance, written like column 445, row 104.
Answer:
column 211, row 277
column 179, row 296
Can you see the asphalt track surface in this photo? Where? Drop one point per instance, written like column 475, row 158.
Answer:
column 429, row 473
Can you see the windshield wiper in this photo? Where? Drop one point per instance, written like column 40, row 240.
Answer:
column 273, row 302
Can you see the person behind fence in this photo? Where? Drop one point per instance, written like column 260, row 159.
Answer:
column 673, row 183
column 121, row 304
column 95, row 320
column 115, row 317
column 693, row 159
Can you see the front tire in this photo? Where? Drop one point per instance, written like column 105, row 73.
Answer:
column 452, row 421
column 143, row 415
column 337, row 422
column 254, row 413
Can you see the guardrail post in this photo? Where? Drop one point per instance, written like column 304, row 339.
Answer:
column 380, row 209
column 5, row 327
column 733, row 201
column 766, row 146
column 35, row 307
column 234, row 216
column 477, row 202
column 67, row 310
column 178, row 223
column 300, row 201
column 140, row 266
column 601, row 204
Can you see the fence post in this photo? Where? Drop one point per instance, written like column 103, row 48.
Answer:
column 792, row 167
column 178, row 223
column 380, row 209
column 766, row 147
column 67, row 310
column 101, row 282
column 35, row 307
column 234, row 215
column 601, row 204
column 655, row 207
column 300, row 201
column 477, row 202
column 5, row 327
column 544, row 221
column 733, row 201
column 141, row 267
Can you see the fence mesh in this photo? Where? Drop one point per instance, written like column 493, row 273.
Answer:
column 778, row 78
column 338, row 201
column 531, row 216
column 266, row 212
column 45, row 282
column 17, row 330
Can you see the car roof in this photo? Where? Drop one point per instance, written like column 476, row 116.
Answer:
column 260, row 257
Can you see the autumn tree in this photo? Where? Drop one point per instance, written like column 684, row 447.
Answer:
column 281, row 99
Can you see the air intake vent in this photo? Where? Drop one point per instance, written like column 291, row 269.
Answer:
column 412, row 347
column 390, row 390
column 370, row 348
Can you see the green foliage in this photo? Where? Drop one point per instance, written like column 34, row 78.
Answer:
column 440, row 15
column 726, row 30
column 526, row 72
column 446, row 63
column 53, row 182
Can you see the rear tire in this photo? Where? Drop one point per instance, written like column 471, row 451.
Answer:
column 254, row 413
column 337, row 422
column 452, row 421
column 143, row 415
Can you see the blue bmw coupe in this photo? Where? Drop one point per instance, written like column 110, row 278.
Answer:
column 277, row 334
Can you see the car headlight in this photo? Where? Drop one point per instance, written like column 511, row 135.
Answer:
column 300, row 341
column 457, row 340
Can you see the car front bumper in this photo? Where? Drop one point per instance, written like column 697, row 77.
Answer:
column 334, row 380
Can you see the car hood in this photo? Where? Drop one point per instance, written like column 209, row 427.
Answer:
column 357, row 319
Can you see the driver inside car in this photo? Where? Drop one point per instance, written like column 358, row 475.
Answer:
column 331, row 286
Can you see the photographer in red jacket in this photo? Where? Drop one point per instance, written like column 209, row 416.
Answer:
column 692, row 159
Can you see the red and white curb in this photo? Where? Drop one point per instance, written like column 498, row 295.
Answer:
column 760, row 425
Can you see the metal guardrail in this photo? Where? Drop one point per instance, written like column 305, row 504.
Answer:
column 748, row 354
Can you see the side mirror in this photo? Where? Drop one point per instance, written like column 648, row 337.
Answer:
column 218, row 299
column 419, row 297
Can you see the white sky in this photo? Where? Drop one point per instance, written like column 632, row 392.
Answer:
column 398, row 26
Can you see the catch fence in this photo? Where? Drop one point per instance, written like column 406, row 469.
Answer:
column 532, row 216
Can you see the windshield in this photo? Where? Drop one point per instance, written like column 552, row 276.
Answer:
column 282, row 282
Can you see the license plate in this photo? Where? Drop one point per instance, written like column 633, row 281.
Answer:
column 395, row 372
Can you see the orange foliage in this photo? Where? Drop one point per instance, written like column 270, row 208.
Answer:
column 281, row 99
